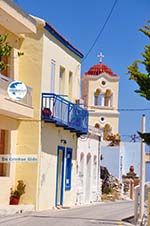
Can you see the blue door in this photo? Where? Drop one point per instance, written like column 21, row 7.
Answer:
column 60, row 176
column 68, row 169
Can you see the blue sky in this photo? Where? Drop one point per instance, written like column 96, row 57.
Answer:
column 121, row 42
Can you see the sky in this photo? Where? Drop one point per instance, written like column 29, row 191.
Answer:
column 121, row 42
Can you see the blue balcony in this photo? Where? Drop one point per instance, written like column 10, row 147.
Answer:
column 63, row 113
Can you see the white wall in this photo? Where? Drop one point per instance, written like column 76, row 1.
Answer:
column 88, row 146
column 131, row 156
column 112, row 159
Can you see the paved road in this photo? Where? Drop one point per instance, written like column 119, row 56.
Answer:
column 100, row 214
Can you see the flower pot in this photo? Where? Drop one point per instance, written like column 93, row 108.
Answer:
column 14, row 200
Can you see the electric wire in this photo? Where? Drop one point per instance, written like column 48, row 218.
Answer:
column 101, row 31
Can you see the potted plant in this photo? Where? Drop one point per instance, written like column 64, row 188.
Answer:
column 16, row 194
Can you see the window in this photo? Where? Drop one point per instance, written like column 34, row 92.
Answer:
column 97, row 126
column 61, row 80
column 70, row 84
column 52, row 79
column 98, row 98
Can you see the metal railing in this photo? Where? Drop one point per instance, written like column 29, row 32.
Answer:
column 64, row 113
column 5, row 81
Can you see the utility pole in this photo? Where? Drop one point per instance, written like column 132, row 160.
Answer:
column 142, row 170
column 99, row 171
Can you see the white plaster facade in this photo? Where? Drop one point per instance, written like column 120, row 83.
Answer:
column 88, row 165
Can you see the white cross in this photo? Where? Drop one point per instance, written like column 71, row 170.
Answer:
column 100, row 56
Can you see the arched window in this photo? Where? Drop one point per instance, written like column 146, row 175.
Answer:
column 108, row 98
column 96, row 95
column 97, row 126
column 98, row 98
column 107, row 131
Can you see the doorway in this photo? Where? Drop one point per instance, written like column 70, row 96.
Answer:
column 60, row 176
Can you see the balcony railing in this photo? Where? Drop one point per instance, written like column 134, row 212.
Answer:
column 4, row 82
column 63, row 113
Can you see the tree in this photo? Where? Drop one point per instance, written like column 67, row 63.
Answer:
column 5, row 51
column 142, row 79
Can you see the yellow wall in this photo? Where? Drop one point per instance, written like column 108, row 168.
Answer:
column 29, row 131
column 8, row 123
column 7, row 182
column 24, row 135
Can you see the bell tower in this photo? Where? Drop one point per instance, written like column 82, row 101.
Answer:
column 100, row 95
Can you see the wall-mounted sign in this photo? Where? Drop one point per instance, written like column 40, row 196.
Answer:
column 17, row 90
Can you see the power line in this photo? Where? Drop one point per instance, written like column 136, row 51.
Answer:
column 127, row 109
column 101, row 30
column 134, row 109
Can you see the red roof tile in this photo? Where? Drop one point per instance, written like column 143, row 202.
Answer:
column 99, row 69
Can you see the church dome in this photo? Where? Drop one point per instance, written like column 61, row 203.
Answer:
column 98, row 69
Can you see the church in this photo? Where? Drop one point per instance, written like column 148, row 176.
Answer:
column 100, row 96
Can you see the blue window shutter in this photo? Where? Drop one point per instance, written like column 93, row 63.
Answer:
column 68, row 169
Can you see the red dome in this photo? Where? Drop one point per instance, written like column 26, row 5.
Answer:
column 99, row 69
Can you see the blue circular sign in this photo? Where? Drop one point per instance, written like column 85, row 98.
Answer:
column 17, row 90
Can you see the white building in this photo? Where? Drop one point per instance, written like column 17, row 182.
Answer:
column 88, row 166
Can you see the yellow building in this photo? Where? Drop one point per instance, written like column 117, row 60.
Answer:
column 63, row 121
column 48, row 128
column 100, row 94
column 12, row 112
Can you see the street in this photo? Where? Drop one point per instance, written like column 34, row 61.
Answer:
column 105, row 214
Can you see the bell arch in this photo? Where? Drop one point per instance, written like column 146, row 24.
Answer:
column 107, row 130
column 108, row 98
